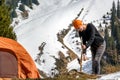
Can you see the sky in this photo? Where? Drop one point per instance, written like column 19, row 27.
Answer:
column 49, row 18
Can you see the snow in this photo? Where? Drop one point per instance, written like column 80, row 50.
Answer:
column 50, row 17
column 112, row 76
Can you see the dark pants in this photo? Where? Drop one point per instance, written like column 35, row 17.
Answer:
column 97, row 54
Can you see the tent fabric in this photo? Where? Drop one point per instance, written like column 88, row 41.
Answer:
column 8, row 65
column 26, row 66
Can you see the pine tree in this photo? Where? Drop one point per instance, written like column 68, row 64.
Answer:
column 118, row 9
column 118, row 37
column 111, row 43
column 27, row 2
column 1, row 2
column 5, row 29
column 106, row 38
column 30, row 4
column 13, row 13
column 23, row 1
column 100, row 26
column 9, row 3
column 22, row 7
column 12, row 3
column 35, row 2
column 113, row 15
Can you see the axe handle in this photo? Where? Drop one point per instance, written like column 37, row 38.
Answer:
column 81, row 63
column 81, row 56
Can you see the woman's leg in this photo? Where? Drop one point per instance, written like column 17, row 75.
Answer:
column 99, row 53
column 93, row 60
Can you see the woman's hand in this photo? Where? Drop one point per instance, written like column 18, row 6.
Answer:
column 83, row 46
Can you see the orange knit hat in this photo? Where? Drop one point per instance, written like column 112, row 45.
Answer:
column 77, row 23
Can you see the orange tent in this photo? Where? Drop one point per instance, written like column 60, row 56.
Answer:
column 15, row 61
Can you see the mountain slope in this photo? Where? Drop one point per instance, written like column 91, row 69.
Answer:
column 49, row 18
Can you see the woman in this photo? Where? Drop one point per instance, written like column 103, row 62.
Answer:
column 91, row 38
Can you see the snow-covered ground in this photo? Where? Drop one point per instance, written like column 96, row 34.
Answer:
column 112, row 76
column 47, row 19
